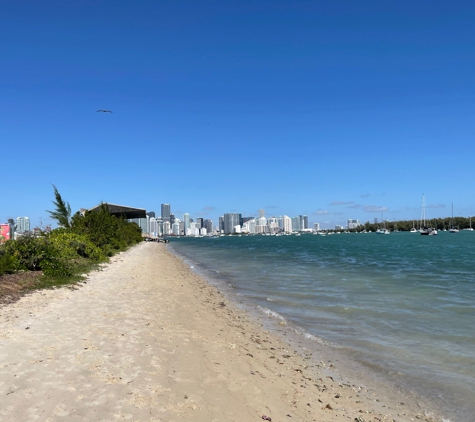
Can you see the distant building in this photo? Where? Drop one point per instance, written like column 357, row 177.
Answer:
column 353, row 224
column 303, row 222
column 22, row 224
column 338, row 227
column 316, row 226
column 296, row 224
column 186, row 221
column 287, row 224
column 165, row 209
column 249, row 226
column 166, row 228
column 151, row 214
column 176, row 229
column 221, row 224
column 208, row 225
column 200, row 220
column 230, row 221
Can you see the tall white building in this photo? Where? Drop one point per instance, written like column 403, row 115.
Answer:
column 176, row 228
column 353, row 224
column 316, row 226
column 22, row 224
column 287, row 224
column 154, row 227
column 249, row 226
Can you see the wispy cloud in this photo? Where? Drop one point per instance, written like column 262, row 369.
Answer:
column 341, row 203
column 374, row 208
column 320, row 212
column 436, row 206
column 338, row 213
column 208, row 208
column 355, row 206
column 364, row 195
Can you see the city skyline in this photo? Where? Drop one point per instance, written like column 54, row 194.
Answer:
column 336, row 110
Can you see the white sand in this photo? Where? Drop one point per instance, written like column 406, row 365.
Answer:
column 146, row 339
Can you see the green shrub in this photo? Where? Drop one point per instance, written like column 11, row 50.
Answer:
column 71, row 246
column 29, row 252
column 7, row 264
column 37, row 253
column 108, row 232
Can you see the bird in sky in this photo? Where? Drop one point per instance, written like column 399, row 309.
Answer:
column 104, row 111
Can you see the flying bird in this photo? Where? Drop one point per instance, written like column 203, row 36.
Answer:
column 104, row 111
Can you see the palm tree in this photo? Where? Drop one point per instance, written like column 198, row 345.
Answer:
column 63, row 210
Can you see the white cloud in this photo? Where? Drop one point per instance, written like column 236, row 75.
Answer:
column 320, row 212
column 375, row 208
column 341, row 203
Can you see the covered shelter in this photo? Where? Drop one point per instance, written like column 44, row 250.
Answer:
column 120, row 210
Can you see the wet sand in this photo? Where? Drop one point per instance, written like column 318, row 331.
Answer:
column 146, row 339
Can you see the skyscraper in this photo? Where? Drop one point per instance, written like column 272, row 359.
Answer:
column 199, row 220
column 208, row 225
column 22, row 224
column 230, row 221
column 166, row 212
column 186, row 221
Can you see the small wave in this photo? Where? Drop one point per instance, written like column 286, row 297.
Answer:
column 270, row 313
column 269, row 299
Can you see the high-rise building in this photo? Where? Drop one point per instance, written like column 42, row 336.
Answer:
column 353, row 224
column 231, row 220
column 172, row 218
column 166, row 228
column 176, row 228
column 151, row 214
column 303, row 222
column 262, row 213
column 287, row 224
column 296, row 224
column 165, row 212
column 208, row 225
column 199, row 220
column 316, row 226
column 22, row 224
column 221, row 224
column 186, row 223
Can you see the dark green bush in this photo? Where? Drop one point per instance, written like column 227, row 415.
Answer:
column 7, row 264
column 108, row 232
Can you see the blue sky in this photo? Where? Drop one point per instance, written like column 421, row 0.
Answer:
column 334, row 109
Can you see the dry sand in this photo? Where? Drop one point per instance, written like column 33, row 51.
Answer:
column 146, row 339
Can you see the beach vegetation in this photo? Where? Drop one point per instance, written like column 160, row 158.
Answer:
column 64, row 255
column 62, row 213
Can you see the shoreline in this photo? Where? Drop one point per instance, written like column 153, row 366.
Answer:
column 146, row 338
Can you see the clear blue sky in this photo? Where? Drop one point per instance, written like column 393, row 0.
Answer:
column 334, row 109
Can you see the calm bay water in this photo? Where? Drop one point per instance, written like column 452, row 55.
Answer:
column 402, row 305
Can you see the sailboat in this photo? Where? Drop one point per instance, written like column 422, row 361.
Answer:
column 383, row 230
column 453, row 229
column 426, row 231
column 470, row 228
column 413, row 230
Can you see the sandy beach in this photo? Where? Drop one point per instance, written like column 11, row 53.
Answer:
column 147, row 339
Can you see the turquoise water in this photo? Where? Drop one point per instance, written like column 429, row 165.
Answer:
column 401, row 305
